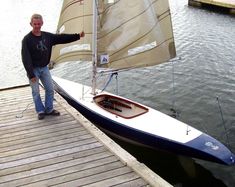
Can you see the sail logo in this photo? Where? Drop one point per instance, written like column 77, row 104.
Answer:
column 212, row 146
column 104, row 59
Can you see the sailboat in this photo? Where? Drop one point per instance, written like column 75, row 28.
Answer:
column 121, row 35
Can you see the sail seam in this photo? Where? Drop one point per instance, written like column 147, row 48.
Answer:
column 77, row 17
column 68, row 55
column 70, row 4
column 141, row 13
column 143, row 36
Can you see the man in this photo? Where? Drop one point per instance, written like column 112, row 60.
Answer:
column 36, row 54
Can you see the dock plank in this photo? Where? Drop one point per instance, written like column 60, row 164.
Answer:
column 57, row 172
column 86, row 151
column 60, row 151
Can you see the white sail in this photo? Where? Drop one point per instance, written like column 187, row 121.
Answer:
column 135, row 33
column 75, row 16
column 131, row 33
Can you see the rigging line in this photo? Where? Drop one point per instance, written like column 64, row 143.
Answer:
column 109, row 80
column 175, row 113
column 83, row 13
column 222, row 117
column 101, row 82
column 116, row 77
column 173, row 84
column 83, row 21
column 110, row 71
column 22, row 113
column 97, row 8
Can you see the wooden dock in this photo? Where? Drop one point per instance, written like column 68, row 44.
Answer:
column 228, row 5
column 66, row 150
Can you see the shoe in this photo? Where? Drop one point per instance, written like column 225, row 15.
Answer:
column 41, row 116
column 53, row 113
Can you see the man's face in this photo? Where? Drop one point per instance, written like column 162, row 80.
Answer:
column 36, row 24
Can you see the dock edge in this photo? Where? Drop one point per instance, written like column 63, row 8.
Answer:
column 141, row 169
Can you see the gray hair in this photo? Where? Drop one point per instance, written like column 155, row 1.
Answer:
column 36, row 16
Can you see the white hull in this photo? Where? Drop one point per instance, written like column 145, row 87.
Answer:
column 150, row 127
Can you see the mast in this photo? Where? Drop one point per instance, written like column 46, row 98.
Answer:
column 94, row 47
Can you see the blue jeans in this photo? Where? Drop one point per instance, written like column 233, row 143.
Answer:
column 43, row 74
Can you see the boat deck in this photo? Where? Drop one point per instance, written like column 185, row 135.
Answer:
column 66, row 150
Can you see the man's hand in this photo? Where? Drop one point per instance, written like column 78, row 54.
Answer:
column 82, row 34
column 33, row 80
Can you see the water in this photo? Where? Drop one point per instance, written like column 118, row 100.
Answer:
column 203, row 72
column 15, row 19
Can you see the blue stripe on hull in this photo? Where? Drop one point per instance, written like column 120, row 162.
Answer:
column 195, row 148
column 212, row 149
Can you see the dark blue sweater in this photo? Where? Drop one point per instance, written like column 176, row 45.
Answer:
column 36, row 50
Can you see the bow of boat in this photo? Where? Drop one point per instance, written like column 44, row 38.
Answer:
column 208, row 148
